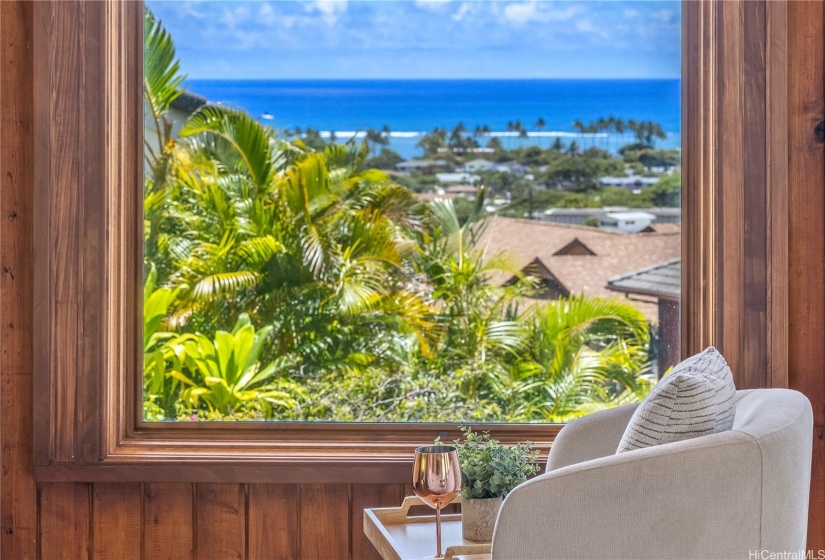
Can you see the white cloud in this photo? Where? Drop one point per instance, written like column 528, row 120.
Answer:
column 461, row 12
column 432, row 5
column 587, row 26
column 520, row 13
column 233, row 18
column 329, row 9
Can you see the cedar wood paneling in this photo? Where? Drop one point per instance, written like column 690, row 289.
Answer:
column 157, row 521
column 806, row 236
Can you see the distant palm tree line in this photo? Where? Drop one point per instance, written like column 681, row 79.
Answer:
column 457, row 140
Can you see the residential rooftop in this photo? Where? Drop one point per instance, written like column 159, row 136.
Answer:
column 580, row 259
column 663, row 281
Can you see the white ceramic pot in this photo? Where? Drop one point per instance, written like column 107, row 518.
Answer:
column 478, row 518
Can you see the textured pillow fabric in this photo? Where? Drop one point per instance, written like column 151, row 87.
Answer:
column 696, row 398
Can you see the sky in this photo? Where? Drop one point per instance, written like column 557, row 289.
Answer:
column 436, row 39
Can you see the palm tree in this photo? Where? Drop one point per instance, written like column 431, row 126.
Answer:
column 540, row 126
column 511, row 127
column 592, row 129
column 433, row 142
column 603, row 125
column 579, row 127
column 620, row 127
column 162, row 83
column 494, row 143
column 592, row 353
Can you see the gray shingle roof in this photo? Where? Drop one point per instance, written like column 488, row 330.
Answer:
column 661, row 280
column 188, row 102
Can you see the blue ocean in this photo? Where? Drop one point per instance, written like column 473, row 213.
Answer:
column 412, row 107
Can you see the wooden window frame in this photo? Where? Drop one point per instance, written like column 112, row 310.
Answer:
column 88, row 162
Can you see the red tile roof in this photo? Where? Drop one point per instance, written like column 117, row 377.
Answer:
column 616, row 253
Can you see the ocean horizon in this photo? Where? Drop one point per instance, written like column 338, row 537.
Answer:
column 410, row 108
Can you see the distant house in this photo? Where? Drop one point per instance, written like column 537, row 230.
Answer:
column 421, row 165
column 571, row 259
column 660, row 169
column 629, row 222
column 457, row 178
column 513, row 167
column 476, row 165
column 662, row 281
column 579, row 216
column 435, row 195
column 631, row 183
column 179, row 112
column 466, row 191
column 574, row 216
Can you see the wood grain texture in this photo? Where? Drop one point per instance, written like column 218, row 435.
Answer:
column 735, row 185
column 220, row 522
column 64, row 236
column 168, row 521
column 273, row 521
column 41, row 216
column 806, row 235
column 116, row 521
column 325, row 521
column 754, row 291
column 65, row 529
column 776, row 75
column 729, row 110
column 18, row 492
column 69, row 228
column 370, row 496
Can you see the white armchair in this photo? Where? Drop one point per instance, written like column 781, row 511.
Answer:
column 725, row 495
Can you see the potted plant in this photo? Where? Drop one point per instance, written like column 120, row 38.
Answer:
column 489, row 471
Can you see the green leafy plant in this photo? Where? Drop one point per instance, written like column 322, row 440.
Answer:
column 490, row 469
column 229, row 371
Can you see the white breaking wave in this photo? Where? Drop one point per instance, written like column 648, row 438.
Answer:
column 362, row 133
column 550, row 134
column 346, row 134
column 343, row 134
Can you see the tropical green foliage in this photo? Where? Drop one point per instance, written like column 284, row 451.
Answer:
column 490, row 469
column 285, row 282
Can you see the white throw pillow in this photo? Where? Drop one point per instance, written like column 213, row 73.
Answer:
column 696, row 398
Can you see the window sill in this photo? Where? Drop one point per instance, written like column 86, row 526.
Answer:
column 298, row 453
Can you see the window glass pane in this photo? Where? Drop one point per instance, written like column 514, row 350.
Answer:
column 405, row 211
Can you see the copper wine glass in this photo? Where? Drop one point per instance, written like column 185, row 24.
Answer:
column 437, row 480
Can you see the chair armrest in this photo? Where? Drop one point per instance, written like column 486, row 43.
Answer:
column 697, row 498
column 590, row 437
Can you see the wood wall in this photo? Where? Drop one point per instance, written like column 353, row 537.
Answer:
column 806, row 234
column 155, row 521
column 206, row 521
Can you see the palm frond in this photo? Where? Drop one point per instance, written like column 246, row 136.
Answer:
column 250, row 140
column 223, row 284
column 162, row 79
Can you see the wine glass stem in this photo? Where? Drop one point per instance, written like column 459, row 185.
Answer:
column 438, row 531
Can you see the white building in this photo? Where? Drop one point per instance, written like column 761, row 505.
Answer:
column 420, row 165
column 457, row 178
column 476, row 165
column 633, row 182
column 628, row 222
